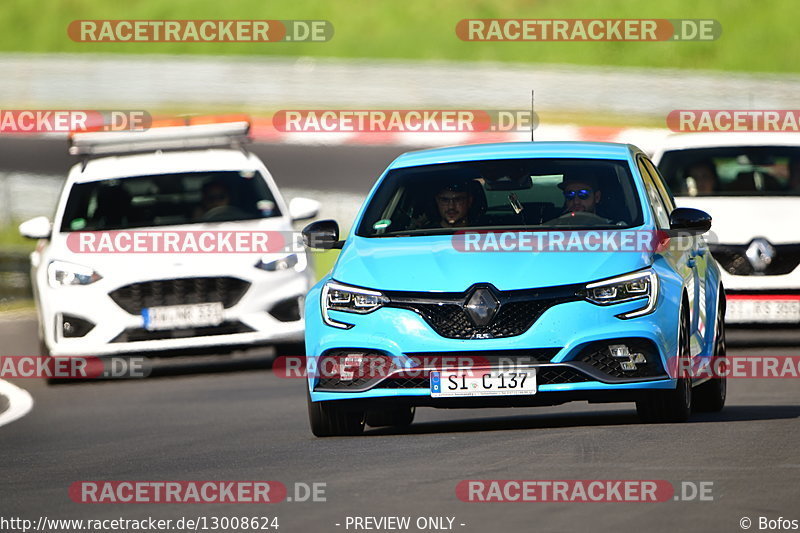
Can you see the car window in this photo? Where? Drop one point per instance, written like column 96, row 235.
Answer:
column 733, row 171
column 660, row 209
column 168, row 199
column 511, row 193
column 663, row 188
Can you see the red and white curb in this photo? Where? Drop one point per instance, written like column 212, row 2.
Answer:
column 20, row 402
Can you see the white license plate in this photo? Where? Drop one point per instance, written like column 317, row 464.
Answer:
column 787, row 311
column 182, row 316
column 478, row 382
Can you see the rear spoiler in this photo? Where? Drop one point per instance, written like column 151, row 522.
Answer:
column 181, row 134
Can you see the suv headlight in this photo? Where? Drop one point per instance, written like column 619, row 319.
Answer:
column 642, row 285
column 339, row 297
column 298, row 262
column 62, row 273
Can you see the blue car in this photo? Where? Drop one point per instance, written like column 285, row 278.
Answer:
column 515, row 274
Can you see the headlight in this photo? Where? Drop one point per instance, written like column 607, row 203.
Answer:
column 339, row 297
column 61, row 273
column 642, row 285
column 284, row 263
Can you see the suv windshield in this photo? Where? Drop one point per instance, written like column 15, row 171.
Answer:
column 510, row 193
column 733, row 171
column 168, row 199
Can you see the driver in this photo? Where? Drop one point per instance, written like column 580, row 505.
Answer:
column 581, row 194
column 215, row 194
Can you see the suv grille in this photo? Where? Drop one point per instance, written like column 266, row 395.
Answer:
column 517, row 311
column 734, row 260
column 137, row 296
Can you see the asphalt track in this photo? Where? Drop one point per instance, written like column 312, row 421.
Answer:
column 231, row 418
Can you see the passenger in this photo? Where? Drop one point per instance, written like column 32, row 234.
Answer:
column 704, row 178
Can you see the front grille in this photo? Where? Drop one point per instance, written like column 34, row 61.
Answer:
column 137, row 296
column 141, row 334
column 599, row 356
column 733, row 259
column 517, row 312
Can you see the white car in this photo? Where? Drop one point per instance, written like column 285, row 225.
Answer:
column 167, row 180
column 750, row 185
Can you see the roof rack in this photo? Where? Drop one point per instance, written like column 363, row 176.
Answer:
column 191, row 133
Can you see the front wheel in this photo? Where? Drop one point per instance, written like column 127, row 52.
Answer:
column 672, row 405
column 334, row 419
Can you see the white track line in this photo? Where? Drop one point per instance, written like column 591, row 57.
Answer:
column 20, row 402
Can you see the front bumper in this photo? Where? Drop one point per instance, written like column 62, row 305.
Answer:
column 566, row 329
column 251, row 321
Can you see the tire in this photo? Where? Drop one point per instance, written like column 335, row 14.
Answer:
column 671, row 405
column 395, row 417
column 710, row 396
column 332, row 419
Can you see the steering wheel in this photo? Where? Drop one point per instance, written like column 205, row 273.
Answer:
column 222, row 213
column 578, row 218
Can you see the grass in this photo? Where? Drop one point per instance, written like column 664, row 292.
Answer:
column 12, row 241
column 756, row 36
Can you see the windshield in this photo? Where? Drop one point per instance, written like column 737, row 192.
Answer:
column 168, row 199
column 512, row 194
column 733, row 171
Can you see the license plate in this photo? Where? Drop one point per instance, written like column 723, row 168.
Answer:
column 474, row 382
column 182, row 316
column 787, row 311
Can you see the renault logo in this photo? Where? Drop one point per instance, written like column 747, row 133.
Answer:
column 481, row 307
column 760, row 253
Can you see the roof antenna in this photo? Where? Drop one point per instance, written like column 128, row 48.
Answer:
column 532, row 115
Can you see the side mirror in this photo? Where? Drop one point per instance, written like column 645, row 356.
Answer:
column 322, row 235
column 36, row 228
column 303, row 208
column 687, row 221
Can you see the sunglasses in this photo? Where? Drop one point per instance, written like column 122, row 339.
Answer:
column 583, row 194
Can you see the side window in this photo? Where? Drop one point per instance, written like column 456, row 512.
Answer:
column 661, row 185
column 657, row 203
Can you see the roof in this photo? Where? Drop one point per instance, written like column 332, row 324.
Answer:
column 124, row 166
column 518, row 150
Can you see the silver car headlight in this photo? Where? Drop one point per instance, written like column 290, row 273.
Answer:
column 339, row 297
column 641, row 285
column 62, row 273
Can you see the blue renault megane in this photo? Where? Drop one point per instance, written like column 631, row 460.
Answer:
column 516, row 274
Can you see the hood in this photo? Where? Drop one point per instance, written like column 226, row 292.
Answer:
column 425, row 263
column 739, row 219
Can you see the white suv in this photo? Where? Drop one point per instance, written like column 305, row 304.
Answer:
column 172, row 179
column 750, row 184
